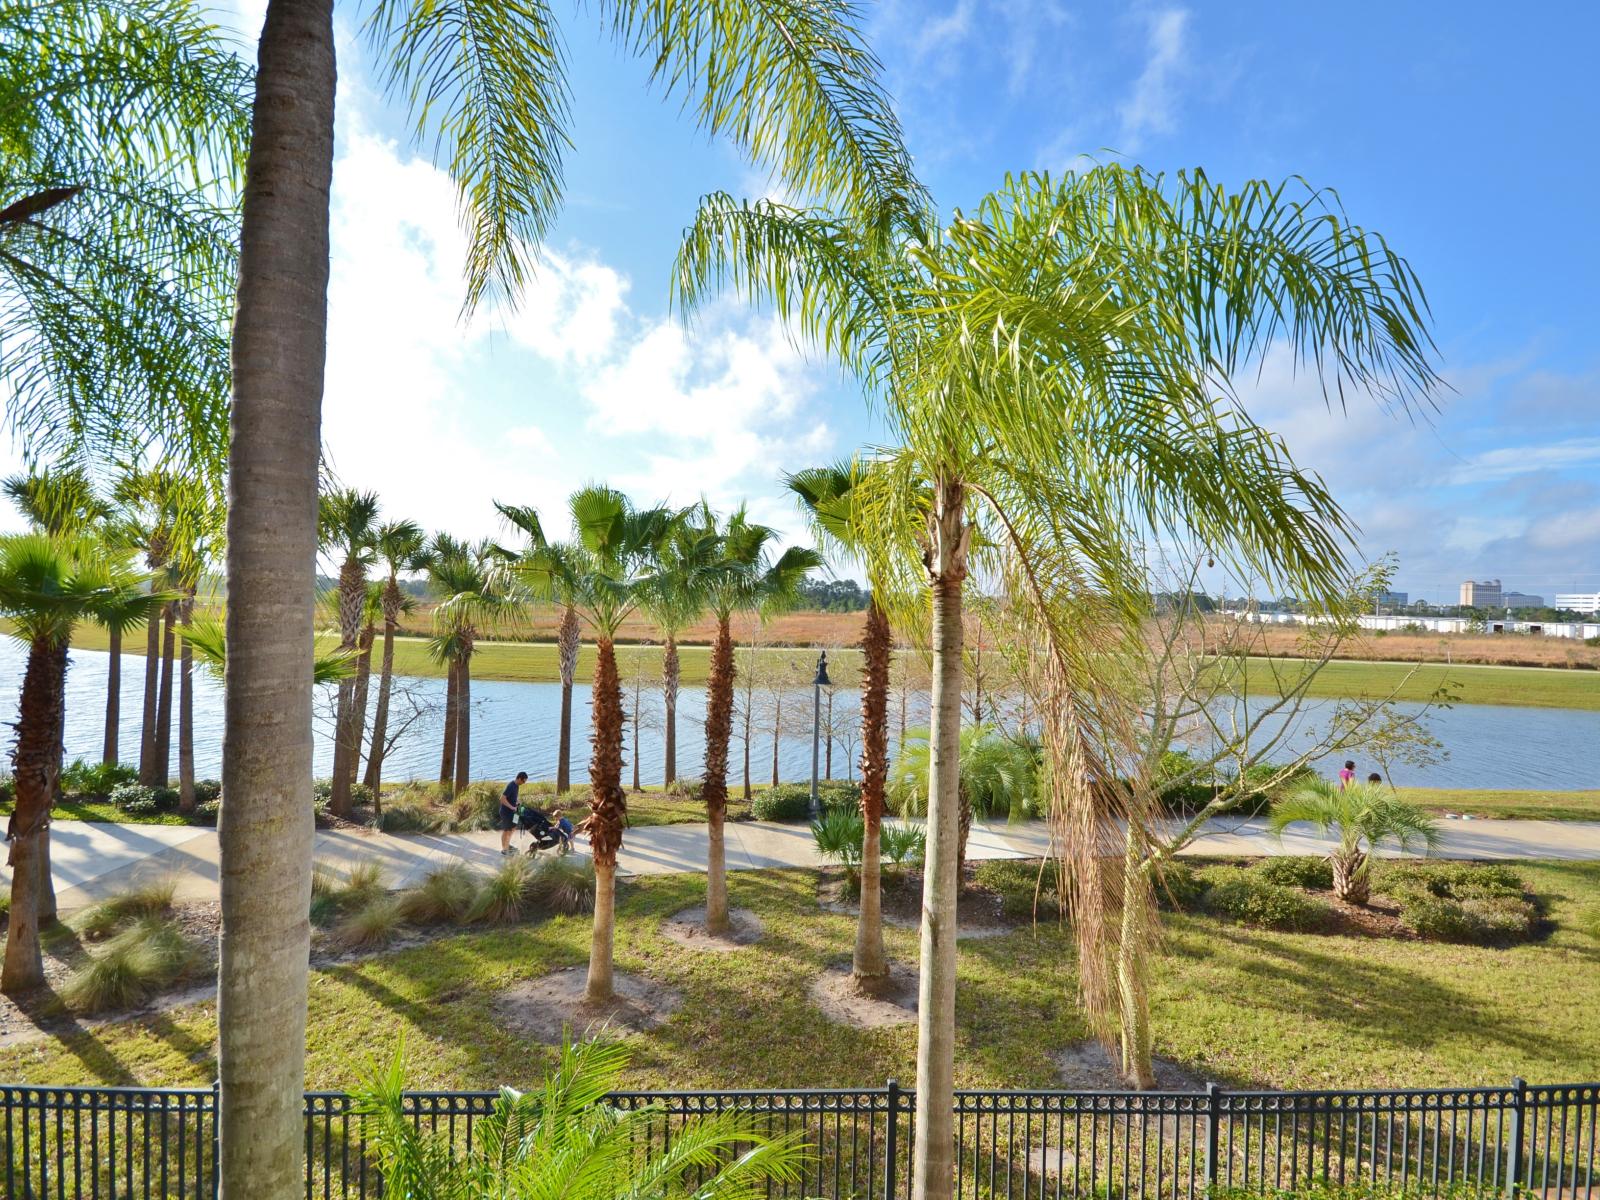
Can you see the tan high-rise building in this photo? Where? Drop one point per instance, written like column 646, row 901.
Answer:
column 1487, row 594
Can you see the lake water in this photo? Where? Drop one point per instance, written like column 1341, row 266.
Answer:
column 515, row 728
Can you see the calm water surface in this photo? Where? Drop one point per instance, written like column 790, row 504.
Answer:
column 515, row 727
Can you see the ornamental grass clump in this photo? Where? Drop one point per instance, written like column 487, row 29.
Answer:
column 150, row 899
column 563, row 886
column 374, row 924
column 149, row 956
column 447, row 894
column 506, row 897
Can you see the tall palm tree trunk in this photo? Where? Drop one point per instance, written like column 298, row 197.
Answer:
column 777, row 734
column 607, row 812
column 161, row 768
column 827, row 767
column 363, row 683
column 447, row 761
column 346, row 727
column 265, row 829
column 567, row 643
column 719, row 728
column 747, row 753
column 108, row 753
column 932, row 1161
column 635, row 732
column 870, row 961
column 380, row 718
column 671, row 680
column 36, row 764
column 463, row 764
column 186, row 713
column 152, row 688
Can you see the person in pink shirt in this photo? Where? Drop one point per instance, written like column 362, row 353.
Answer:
column 1347, row 774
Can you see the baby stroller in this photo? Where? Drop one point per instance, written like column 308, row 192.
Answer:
column 545, row 835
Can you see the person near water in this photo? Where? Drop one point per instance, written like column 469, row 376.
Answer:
column 563, row 827
column 1374, row 779
column 506, row 817
column 1347, row 774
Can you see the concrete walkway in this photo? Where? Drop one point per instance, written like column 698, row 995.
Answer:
column 92, row 859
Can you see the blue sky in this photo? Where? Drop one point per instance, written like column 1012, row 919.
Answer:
column 1464, row 132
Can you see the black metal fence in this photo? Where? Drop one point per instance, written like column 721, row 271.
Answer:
column 141, row 1144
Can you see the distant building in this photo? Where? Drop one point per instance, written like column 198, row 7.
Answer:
column 1487, row 594
column 1587, row 603
column 1521, row 600
column 1394, row 599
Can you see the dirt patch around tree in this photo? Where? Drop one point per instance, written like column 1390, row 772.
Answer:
column 549, row 1007
column 1087, row 1066
column 979, row 911
column 688, row 928
column 836, row 994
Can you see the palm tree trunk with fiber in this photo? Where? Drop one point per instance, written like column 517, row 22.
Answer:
column 463, row 764
column 447, row 761
column 380, row 718
column 671, row 679
column 567, row 643
column 108, row 753
column 1133, row 985
column 1351, row 882
column 346, row 727
column 36, row 766
column 719, row 728
column 870, row 961
column 932, row 1161
column 265, row 828
column 152, row 687
column 608, row 810
column 363, row 683
column 186, row 713
column 161, row 766
column 777, row 733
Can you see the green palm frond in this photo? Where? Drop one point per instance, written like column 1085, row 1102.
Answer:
column 58, row 501
column 1359, row 813
column 48, row 585
column 207, row 637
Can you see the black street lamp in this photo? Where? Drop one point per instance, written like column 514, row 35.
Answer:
column 817, row 684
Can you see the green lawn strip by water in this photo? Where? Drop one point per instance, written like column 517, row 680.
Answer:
column 1230, row 1004
column 1531, row 806
column 536, row 662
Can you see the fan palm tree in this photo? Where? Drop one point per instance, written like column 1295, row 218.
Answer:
column 401, row 547
column 348, row 526
column 1363, row 816
column 473, row 602
column 1056, row 370
column 566, row 1140
column 999, row 774
column 608, row 568
column 48, row 585
column 824, row 493
column 124, row 131
column 792, row 86
column 62, row 501
column 743, row 576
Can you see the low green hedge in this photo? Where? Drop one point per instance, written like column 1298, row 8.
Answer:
column 1246, row 897
column 1301, row 871
column 792, row 801
column 1470, row 903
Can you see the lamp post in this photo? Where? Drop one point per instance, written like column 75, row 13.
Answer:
column 817, row 684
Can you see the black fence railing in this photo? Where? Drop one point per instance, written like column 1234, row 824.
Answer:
column 143, row 1144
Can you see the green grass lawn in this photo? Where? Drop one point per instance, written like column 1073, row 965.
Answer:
column 1532, row 687
column 1230, row 1004
column 1535, row 806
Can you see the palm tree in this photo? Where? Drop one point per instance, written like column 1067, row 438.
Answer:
column 371, row 614
column 742, row 577
column 1050, row 366
column 793, row 87
column 347, row 521
column 48, row 585
column 608, row 568
column 824, row 493
column 400, row 545
column 1364, row 816
column 200, row 546
column 473, row 602
column 999, row 774
column 60, row 502
column 565, row 1140
column 687, row 562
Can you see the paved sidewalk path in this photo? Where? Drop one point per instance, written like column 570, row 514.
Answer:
column 95, row 859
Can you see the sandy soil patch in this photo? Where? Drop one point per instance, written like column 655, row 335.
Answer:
column 547, row 1007
column 1087, row 1067
column 688, row 928
column 835, row 993
column 977, row 910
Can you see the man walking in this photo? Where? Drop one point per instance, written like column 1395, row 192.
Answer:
column 508, row 811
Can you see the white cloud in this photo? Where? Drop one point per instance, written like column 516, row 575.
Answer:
column 1149, row 109
column 1511, row 461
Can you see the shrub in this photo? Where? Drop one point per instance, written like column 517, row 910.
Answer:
column 1473, row 903
column 8, row 789
column 1245, row 897
column 207, row 791
column 135, row 799
column 1295, row 870
column 786, row 802
column 903, row 845
column 150, row 899
column 445, row 895
column 686, row 789
column 371, row 925
column 563, row 885
column 1180, row 888
column 409, row 817
column 838, row 834
column 322, row 795
column 145, row 958
column 207, row 811
column 5, row 904
column 94, row 779
column 507, row 895
column 1019, row 883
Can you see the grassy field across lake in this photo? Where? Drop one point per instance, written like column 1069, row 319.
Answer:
column 1528, row 806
